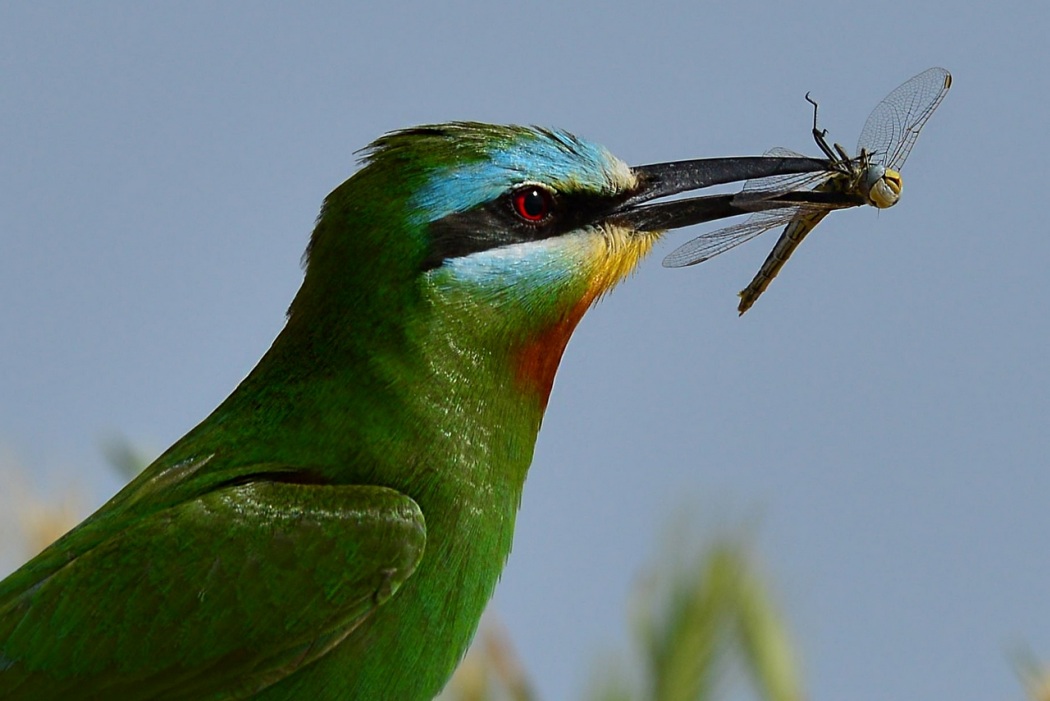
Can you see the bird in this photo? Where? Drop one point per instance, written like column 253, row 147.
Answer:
column 334, row 529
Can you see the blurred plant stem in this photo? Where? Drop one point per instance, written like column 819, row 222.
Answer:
column 1034, row 675
column 491, row 670
column 126, row 458
column 36, row 521
column 695, row 618
column 716, row 610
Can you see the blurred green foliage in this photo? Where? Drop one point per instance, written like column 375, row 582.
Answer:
column 695, row 621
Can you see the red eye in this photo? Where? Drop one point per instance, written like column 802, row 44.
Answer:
column 532, row 203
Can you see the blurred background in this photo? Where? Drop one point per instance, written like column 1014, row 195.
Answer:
column 878, row 422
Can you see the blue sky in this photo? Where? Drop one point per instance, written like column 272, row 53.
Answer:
column 882, row 413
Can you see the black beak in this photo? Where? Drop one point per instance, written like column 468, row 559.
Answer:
column 665, row 179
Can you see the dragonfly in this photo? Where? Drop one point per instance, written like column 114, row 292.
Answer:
column 871, row 177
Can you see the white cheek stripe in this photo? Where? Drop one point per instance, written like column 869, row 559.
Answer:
column 519, row 263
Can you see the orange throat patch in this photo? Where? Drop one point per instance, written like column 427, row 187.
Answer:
column 612, row 258
column 537, row 361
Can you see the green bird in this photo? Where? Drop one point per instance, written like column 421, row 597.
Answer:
column 334, row 529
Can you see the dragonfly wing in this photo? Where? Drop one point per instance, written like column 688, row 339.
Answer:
column 757, row 192
column 895, row 123
column 711, row 244
column 784, row 183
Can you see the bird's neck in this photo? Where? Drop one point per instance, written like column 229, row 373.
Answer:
column 437, row 388
column 439, row 399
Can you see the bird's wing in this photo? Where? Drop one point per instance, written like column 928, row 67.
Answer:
column 215, row 597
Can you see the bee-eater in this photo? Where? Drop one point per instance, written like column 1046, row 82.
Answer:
column 335, row 527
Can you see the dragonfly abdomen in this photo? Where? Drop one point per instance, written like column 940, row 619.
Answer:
column 789, row 240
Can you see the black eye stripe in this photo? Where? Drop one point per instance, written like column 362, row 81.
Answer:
column 498, row 223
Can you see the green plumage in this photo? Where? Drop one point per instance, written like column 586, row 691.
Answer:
column 367, row 458
column 335, row 528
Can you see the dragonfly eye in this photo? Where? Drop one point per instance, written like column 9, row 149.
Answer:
column 884, row 186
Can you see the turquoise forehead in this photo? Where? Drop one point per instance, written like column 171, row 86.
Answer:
column 555, row 158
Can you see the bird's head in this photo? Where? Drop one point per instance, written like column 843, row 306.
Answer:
column 500, row 237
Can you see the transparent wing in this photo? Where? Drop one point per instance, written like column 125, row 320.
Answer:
column 709, row 245
column 895, row 123
column 784, row 183
column 757, row 191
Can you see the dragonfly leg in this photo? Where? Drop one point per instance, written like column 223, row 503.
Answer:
column 819, row 134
